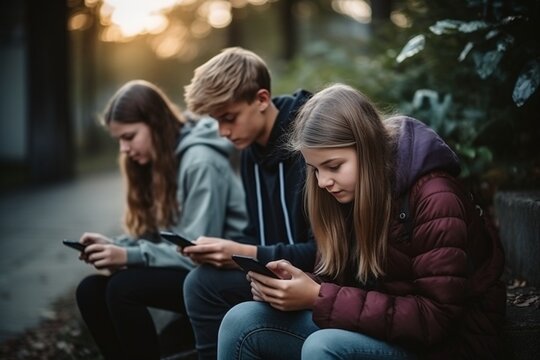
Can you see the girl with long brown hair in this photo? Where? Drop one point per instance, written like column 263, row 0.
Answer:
column 407, row 266
column 178, row 178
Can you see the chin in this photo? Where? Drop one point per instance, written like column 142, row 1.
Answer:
column 142, row 161
column 240, row 145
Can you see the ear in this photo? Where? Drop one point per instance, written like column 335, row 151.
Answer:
column 264, row 98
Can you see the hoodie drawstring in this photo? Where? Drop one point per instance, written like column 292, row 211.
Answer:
column 259, row 205
column 283, row 204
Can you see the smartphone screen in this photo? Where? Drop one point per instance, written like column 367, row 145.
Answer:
column 176, row 239
column 74, row 244
column 250, row 264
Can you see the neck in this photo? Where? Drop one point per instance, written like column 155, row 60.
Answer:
column 270, row 115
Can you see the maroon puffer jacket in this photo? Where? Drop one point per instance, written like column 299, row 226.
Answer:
column 441, row 295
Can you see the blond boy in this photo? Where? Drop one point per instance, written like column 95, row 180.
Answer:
column 234, row 87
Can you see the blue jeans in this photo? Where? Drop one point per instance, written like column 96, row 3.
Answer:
column 209, row 293
column 254, row 330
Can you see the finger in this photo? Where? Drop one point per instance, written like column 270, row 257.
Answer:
column 256, row 293
column 285, row 269
column 96, row 256
column 266, row 280
column 199, row 249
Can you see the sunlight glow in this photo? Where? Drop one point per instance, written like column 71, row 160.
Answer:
column 239, row 3
column 200, row 28
column 91, row 3
column 79, row 21
column 257, row 2
column 135, row 17
column 169, row 35
column 220, row 14
column 359, row 10
column 400, row 19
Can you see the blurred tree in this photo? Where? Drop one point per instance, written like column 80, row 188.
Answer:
column 50, row 130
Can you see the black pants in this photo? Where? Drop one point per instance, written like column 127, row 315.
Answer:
column 115, row 309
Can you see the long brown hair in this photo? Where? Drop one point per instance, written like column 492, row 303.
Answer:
column 151, row 188
column 340, row 116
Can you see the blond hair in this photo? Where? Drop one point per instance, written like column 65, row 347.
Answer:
column 336, row 117
column 234, row 75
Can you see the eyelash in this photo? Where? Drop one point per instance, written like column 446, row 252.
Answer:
column 334, row 168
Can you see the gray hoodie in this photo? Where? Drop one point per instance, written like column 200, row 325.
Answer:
column 210, row 195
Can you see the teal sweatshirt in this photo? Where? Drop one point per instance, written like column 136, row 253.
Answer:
column 210, row 195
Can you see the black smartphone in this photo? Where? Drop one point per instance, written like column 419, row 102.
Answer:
column 251, row 264
column 176, row 239
column 74, row 244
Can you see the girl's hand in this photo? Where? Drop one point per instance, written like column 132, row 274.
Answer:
column 295, row 291
column 217, row 252
column 106, row 256
column 92, row 238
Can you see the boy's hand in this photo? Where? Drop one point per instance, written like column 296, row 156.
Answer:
column 218, row 252
column 294, row 291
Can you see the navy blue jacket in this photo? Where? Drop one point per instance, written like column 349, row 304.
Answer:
column 273, row 179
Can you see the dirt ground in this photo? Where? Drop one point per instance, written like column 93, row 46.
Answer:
column 61, row 336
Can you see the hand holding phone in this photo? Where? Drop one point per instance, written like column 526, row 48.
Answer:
column 74, row 245
column 176, row 239
column 251, row 264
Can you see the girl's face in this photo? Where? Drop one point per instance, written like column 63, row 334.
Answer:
column 336, row 170
column 135, row 140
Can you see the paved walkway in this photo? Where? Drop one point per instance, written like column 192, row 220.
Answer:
column 35, row 268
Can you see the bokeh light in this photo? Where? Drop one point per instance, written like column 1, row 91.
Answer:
column 359, row 10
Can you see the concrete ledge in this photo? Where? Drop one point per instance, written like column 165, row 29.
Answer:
column 518, row 214
column 522, row 328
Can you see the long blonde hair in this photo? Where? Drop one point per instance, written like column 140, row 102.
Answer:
column 151, row 188
column 340, row 116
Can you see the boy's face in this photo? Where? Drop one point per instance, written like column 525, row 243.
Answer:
column 243, row 123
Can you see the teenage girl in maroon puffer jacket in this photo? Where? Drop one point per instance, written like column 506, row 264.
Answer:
column 407, row 266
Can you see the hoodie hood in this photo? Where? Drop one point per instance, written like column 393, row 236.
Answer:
column 203, row 132
column 419, row 151
column 288, row 106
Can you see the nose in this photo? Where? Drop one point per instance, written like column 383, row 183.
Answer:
column 324, row 181
column 224, row 131
column 124, row 146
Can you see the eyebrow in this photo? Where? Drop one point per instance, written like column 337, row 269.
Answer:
column 324, row 162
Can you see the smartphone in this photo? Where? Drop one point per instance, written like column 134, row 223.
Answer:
column 176, row 239
column 251, row 264
column 74, row 244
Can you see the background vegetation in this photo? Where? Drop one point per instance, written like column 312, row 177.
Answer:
column 468, row 68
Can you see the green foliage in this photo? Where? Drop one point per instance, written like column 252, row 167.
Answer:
column 474, row 80
column 489, row 86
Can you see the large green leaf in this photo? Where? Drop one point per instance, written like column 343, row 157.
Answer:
column 449, row 26
column 413, row 47
column 527, row 82
column 487, row 62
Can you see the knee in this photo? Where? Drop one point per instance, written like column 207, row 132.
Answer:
column 240, row 320
column 195, row 284
column 241, row 317
column 89, row 289
column 319, row 342
column 121, row 287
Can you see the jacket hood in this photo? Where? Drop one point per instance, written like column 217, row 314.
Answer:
column 288, row 106
column 419, row 150
column 203, row 132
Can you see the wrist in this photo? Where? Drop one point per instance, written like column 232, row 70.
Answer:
column 247, row 250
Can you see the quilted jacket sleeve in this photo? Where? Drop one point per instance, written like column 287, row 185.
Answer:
column 424, row 288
